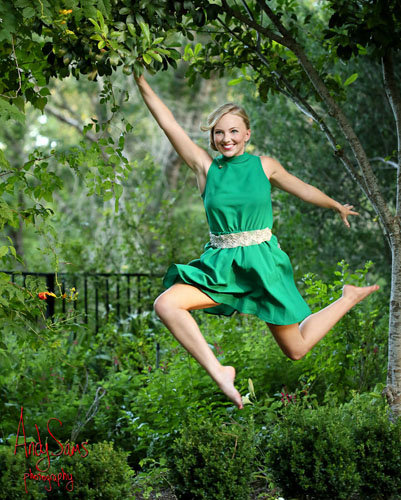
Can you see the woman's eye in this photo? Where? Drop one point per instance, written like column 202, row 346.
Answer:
column 234, row 131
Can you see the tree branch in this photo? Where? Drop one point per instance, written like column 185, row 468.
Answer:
column 394, row 98
column 70, row 121
column 276, row 21
column 308, row 110
column 258, row 40
column 252, row 24
column 391, row 164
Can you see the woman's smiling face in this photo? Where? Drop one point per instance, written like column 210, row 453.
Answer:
column 230, row 135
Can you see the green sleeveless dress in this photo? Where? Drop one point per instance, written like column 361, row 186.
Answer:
column 256, row 279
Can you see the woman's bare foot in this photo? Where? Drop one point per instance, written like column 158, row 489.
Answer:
column 226, row 384
column 356, row 294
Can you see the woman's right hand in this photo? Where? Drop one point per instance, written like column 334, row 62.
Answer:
column 194, row 156
column 138, row 78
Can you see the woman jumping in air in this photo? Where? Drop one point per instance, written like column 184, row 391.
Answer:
column 242, row 268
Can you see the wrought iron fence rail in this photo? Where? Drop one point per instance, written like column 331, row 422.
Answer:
column 98, row 294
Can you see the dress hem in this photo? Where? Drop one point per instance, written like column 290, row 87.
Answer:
column 209, row 310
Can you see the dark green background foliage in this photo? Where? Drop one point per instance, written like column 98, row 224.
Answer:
column 89, row 183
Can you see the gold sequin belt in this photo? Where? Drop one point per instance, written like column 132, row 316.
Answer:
column 242, row 239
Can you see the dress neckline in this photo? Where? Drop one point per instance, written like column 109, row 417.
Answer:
column 233, row 160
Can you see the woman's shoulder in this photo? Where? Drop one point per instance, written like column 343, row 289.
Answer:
column 269, row 165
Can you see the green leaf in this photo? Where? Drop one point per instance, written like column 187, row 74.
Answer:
column 163, row 51
column 28, row 12
column 3, row 251
column 145, row 31
column 236, row 81
column 197, row 49
column 44, row 92
column 155, row 55
column 118, row 190
column 138, row 68
column 175, row 54
column 147, row 58
column 4, row 278
column 188, row 53
column 48, row 197
column 3, row 160
column 101, row 18
column 20, row 103
column 9, row 111
column 361, row 50
column 350, row 79
column 40, row 103
column 95, row 24
column 131, row 29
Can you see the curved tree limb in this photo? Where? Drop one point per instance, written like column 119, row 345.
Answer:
column 70, row 121
column 308, row 110
column 253, row 24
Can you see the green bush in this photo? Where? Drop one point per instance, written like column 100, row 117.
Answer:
column 212, row 461
column 312, row 453
column 379, row 442
column 12, row 470
column 103, row 473
column 328, row 452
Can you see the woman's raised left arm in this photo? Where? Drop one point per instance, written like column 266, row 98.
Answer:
column 279, row 177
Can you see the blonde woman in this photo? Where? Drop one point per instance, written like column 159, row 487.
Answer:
column 242, row 268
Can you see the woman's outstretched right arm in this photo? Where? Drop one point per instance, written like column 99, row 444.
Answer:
column 193, row 155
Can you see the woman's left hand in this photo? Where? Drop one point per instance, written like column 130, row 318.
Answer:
column 344, row 211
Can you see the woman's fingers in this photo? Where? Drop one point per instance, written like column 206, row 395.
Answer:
column 345, row 213
column 345, row 220
column 351, row 212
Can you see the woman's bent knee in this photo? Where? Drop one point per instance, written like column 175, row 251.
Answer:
column 161, row 305
column 182, row 296
column 289, row 339
column 165, row 305
column 295, row 356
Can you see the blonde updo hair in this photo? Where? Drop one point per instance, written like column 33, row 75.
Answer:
column 214, row 117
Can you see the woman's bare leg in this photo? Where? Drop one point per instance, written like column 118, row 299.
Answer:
column 295, row 341
column 173, row 307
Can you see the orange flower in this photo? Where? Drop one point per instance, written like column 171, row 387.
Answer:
column 43, row 295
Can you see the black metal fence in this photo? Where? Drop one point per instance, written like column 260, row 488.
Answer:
column 95, row 297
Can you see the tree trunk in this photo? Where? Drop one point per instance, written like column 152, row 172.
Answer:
column 393, row 389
